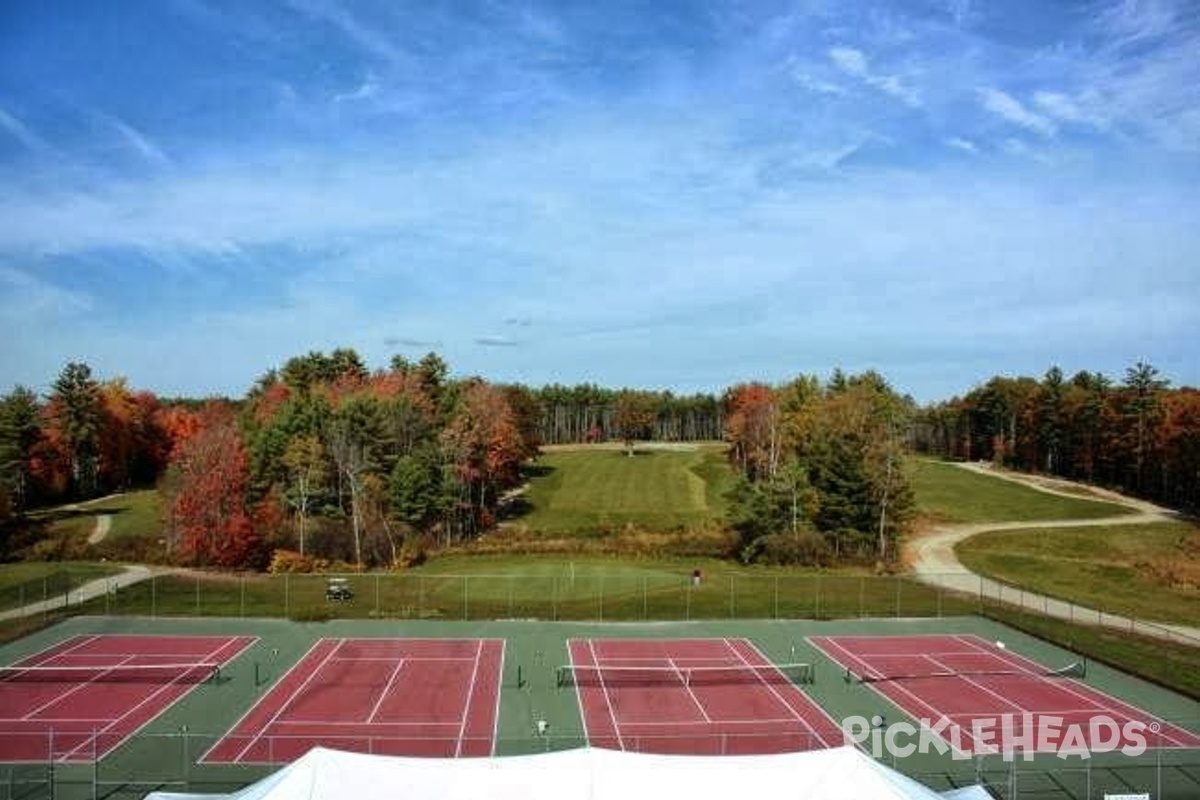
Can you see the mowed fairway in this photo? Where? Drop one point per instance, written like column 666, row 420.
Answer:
column 597, row 489
column 948, row 493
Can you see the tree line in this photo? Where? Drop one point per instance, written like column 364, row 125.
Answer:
column 1137, row 435
column 324, row 458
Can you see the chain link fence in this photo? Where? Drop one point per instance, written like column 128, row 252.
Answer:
column 177, row 762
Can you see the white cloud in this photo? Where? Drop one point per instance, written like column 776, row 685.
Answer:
column 1009, row 108
column 855, row 64
column 1085, row 110
column 808, row 82
column 958, row 143
column 849, row 60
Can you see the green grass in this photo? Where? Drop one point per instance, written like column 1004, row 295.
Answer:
column 1147, row 571
column 599, row 490
column 134, row 514
column 504, row 587
column 31, row 581
column 947, row 493
column 1170, row 664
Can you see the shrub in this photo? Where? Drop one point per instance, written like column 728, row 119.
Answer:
column 289, row 561
column 804, row 548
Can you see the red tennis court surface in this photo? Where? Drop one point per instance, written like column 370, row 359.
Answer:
column 756, row 712
column 972, row 682
column 86, row 695
column 423, row 697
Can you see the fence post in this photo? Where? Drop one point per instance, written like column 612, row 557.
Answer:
column 377, row 608
column 776, row 593
column 898, row 586
column 466, row 597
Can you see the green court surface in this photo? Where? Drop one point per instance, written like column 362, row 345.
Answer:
column 167, row 751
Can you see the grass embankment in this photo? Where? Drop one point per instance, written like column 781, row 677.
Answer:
column 1170, row 664
column 30, row 582
column 594, row 491
column 948, row 493
column 1148, row 571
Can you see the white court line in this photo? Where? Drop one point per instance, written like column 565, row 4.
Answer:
column 762, row 721
column 921, row 703
column 496, row 710
column 257, row 703
column 231, row 640
column 946, row 667
column 462, row 728
column 1130, row 711
column 295, row 693
column 387, row 688
column 283, row 723
column 754, row 670
column 684, row 682
column 612, row 714
column 77, row 687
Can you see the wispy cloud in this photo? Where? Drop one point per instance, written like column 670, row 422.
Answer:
column 22, row 133
column 136, row 140
column 855, row 64
column 370, row 39
column 406, row 341
column 965, row 145
column 1009, row 108
column 365, row 90
column 1086, row 110
column 495, row 341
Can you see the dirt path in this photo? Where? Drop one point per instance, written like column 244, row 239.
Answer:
column 101, row 529
column 934, row 562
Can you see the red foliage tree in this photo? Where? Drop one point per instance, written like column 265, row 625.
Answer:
column 211, row 523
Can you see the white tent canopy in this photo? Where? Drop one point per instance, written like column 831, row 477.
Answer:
column 586, row 774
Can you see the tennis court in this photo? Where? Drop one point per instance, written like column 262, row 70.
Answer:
column 694, row 696
column 979, row 685
column 81, row 698
column 423, row 697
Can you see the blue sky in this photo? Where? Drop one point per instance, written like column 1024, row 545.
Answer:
column 678, row 195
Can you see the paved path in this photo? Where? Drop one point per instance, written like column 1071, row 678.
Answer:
column 934, row 562
column 132, row 574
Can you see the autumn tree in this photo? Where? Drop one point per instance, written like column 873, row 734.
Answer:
column 212, row 524
column 634, row 417
column 305, row 461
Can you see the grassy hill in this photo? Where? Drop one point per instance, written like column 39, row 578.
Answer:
column 947, row 493
column 1148, row 571
column 596, row 489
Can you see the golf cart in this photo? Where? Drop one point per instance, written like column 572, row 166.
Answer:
column 338, row 589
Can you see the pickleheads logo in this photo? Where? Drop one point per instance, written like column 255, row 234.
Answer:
column 1006, row 735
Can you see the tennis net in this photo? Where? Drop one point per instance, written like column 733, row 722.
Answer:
column 1076, row 669
column 591, row 675
column 122, row 673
